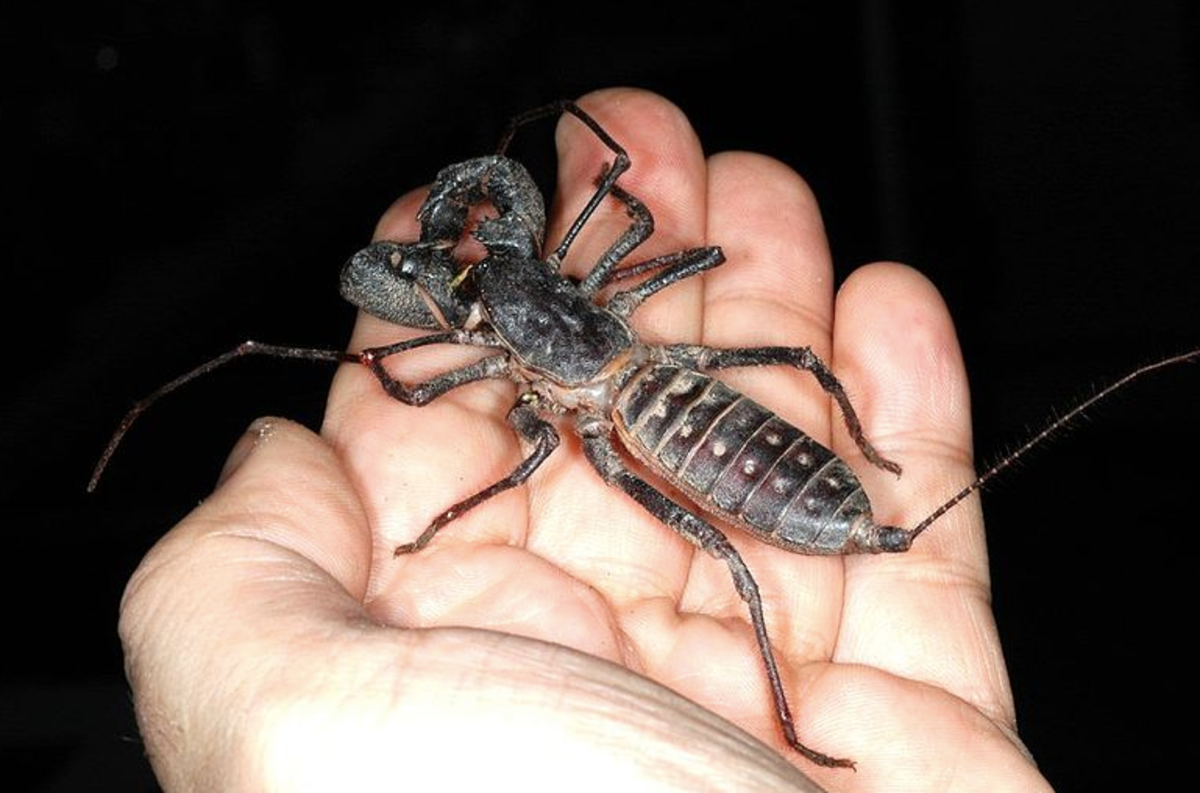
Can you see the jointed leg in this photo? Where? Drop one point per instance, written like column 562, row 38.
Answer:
column 643, row 221
column 371, row 358
column 619, row 166
column 424, row 393
column 524, row 419
column 675, row 267
column 604, row 457
column 627, row 271
column 637, row 233
column 697, row 356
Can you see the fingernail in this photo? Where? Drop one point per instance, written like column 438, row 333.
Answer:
column 254, row 436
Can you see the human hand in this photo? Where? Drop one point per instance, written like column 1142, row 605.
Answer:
column 274, row 642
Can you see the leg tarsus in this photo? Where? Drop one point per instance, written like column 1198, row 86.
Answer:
column 675, row 267
column 524, row 419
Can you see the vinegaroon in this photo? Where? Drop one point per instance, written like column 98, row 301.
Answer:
column 569, row 351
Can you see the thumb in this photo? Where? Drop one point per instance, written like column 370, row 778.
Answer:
column 255, row 666
column 273, row 563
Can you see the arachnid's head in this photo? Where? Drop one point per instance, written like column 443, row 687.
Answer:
column 407, row 283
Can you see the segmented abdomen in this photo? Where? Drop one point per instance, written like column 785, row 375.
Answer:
column 740, row 460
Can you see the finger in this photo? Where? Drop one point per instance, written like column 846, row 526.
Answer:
column 319, row 527
column 254, row 664
column 924, row 615
column 910, row 736
column 591, row 530
column 775, row 288
column 600, row 536
column 667, row 172
column 253, row 563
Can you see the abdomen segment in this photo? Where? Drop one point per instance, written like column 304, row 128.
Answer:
column 739, row 460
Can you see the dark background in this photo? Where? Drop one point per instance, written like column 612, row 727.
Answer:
column 177, row 177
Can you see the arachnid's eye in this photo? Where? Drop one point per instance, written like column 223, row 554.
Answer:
column 404, row 264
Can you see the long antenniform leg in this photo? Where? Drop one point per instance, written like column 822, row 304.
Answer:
column 420, row 394
column 696, row 356
column 240, row 351
column 604, row 458
column 524, row 419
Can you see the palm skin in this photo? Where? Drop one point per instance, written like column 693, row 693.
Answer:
column 280, row 599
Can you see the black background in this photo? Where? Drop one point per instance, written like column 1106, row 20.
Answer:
column 177, row 177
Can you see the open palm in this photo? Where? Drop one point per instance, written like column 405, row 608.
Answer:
column 299, row 618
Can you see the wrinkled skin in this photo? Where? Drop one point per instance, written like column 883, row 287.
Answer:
column 273, row 642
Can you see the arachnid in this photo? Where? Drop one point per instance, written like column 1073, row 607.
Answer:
column 569, row 348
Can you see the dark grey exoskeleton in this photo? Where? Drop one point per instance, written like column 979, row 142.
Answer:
column 570, row 352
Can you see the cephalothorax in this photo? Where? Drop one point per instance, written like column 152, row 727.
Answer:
column 569, row 351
